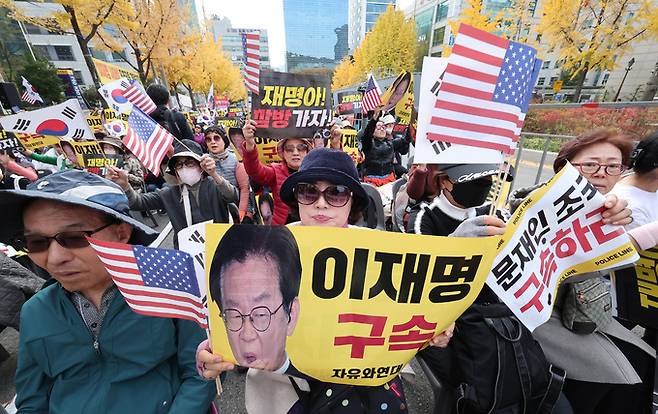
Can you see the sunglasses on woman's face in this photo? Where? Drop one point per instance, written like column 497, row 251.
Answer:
column 67, row 239
column 334, row 195
column 299, row 147
column 214, row 138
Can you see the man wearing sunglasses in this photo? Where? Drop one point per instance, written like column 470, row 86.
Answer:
column 81, row 348
column 254, row 279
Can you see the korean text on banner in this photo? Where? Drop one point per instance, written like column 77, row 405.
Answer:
column 351, row 144
column 557, row 232
column 291, row 105
column 9, row 141
column 367, row 304
column 438, row 152
column 636, row 290
column 87, row 150
column 33, row 142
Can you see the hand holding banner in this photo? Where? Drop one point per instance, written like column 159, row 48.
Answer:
column 556, row 232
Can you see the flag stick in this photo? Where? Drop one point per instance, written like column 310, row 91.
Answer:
column 218, row 382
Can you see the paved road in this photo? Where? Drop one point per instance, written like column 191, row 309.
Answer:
column 419, row 394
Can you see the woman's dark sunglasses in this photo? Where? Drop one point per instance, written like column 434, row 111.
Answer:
column 67, row 239
column 334, row 195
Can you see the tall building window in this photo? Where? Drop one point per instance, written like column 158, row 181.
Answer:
column 540, row 81
column 64, row 52
column 552, row 81
column 441, row 11
column 546, row 64
column 439, row 35
column 41, row 51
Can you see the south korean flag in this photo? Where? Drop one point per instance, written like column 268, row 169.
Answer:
column 113, row 94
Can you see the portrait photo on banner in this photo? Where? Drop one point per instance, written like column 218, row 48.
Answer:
column 335, row 304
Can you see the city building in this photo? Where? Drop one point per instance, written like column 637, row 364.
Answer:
column 362, row 17
column 316, row 33
column 231, row 38
column 63, row 50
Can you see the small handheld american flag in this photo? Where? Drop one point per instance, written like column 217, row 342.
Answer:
column 154, row 282
column 485, row 91
column 136, row 94
column 147, row 140
column 372, row 97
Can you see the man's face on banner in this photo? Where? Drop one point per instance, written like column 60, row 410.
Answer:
column 252, row 288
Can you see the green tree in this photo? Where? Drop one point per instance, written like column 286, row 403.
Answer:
column 14, row 50
column 43, row 77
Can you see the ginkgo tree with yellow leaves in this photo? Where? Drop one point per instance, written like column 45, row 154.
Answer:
column 589, row 35
column 198, row 62
column 385, row 51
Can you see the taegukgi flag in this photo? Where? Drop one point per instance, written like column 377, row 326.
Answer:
column 113, row 94
column 65, row 120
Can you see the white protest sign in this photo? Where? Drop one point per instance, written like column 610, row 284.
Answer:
column 192, row 240
column 434, row 152
column 557, row 232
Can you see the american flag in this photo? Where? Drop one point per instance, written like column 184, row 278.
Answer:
column 485, row 91
column 251, row 71
column 147, row 140
column 154, row 282
column 136, row 94
column 372, row 97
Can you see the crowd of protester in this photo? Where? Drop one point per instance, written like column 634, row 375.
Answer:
column 83, row 350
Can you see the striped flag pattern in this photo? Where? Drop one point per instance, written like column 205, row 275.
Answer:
column 147, row 140
column 485, row 91
column 372, row 97
column 154, row 282
column 27, row 97
column 30, row 95
column 251, row 71
column 136, row 94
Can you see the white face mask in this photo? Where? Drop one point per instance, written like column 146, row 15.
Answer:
column 189, row 176
column 389, row 131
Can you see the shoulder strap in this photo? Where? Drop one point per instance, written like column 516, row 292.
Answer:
column 555, row 383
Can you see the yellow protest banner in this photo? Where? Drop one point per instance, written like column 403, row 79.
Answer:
column 637, row 290
column 33, row 142
column 109, row 72
column 351, row 144
column 399, row 97
column 85, row 149
column 95, row 120
column 339, row 305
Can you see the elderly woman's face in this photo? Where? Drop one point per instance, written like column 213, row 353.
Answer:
column 323, row 204
column 592, row 161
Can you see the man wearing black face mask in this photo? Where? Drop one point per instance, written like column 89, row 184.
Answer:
column 463, row 191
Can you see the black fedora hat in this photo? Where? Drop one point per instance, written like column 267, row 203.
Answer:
column 325, row 164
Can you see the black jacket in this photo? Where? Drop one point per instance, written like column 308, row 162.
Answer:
column 173, row 122
column 211, row 204
column 380, row 153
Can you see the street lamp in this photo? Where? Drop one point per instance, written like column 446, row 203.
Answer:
column 628, row 69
